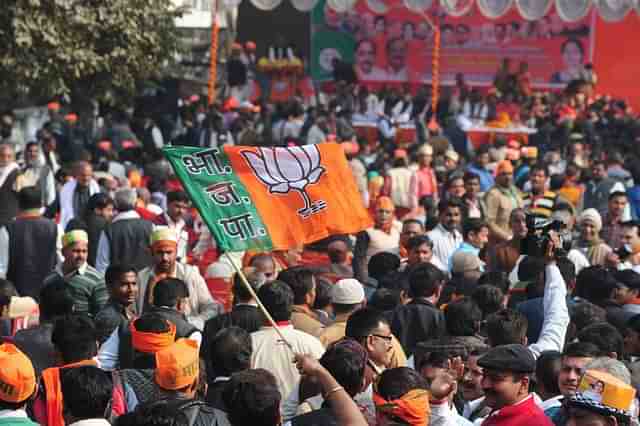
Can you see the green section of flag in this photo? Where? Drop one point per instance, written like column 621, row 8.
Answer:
column 221, row 198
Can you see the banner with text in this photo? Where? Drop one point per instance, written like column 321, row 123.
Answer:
column 388, row 43
column 271, row 198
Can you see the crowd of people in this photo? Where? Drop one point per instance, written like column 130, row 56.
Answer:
column 498, row 285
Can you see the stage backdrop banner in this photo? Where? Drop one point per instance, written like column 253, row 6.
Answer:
column 388, row 43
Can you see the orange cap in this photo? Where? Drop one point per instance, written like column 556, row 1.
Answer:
column 250, row 45
column 53, row 106
column 177, row 366
column 385, row 203
column 71, row 118
column 17, row 376
column 606, row 389
column 151, row 343
column 236, row 46
column 504, row 167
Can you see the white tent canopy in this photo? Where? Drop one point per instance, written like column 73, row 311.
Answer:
column 568, row 10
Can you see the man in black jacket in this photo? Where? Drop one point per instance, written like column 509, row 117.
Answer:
column 245, row 313
column 228, row 352
column 126, row 239
column 28, row 245
column 120, row 309
column 420, row 319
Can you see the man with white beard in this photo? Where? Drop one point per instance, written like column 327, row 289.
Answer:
column 37, row 173
column 9, row 171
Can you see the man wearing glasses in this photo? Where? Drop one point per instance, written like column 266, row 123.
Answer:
column 372, row 330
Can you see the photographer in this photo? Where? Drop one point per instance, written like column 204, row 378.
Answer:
column 556, row 314
column 546, row 245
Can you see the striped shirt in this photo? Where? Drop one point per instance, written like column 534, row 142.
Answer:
column 87, row 288
column 542, row 205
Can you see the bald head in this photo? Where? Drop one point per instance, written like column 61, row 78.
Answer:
column 83, row 172
column 7, row 155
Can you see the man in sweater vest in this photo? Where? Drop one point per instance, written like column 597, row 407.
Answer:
column 86, row 285
column 28, row 245
column 125, row 238
column 18, row 386
column 383, row 236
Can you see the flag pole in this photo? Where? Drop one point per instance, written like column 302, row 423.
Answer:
column 213, row 53
column 264, row 310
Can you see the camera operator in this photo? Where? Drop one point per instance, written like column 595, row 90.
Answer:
column 549, row 244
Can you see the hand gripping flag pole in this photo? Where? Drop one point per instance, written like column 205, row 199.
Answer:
column 264, row 310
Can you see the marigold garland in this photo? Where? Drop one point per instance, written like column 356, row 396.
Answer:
column 213, row 64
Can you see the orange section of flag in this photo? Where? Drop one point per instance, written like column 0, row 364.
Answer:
column 302, row 194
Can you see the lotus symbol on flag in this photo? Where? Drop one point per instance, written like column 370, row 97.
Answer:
column 284, row 170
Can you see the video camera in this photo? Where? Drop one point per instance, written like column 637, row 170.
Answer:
column 537, row 240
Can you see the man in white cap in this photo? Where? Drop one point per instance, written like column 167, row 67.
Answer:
column 347, row 296
column 86, row 285
column 164, row 249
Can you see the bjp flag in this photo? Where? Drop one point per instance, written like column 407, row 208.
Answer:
column 271, row 198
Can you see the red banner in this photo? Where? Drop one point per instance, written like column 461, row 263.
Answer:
column 396, row 46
